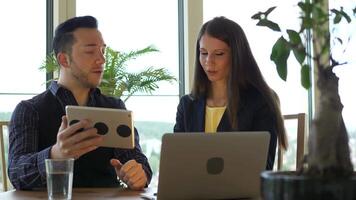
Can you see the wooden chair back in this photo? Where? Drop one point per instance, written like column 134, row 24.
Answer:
column 301, row 139
column 5, row 182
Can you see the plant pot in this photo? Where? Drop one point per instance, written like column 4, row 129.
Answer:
column 288, row 185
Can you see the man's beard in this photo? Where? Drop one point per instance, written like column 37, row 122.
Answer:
column 83, row 77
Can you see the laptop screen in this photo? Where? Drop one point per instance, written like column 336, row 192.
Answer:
column 212, row 166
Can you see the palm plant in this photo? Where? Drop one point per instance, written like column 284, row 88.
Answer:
column 117, row 81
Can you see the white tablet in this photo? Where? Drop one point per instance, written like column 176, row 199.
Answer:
column 116, row 125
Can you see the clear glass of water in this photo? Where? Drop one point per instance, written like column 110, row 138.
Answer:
column 59, row 178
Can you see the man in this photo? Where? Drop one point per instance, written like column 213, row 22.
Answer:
column 39, row 127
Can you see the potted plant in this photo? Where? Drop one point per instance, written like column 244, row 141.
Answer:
column 328, row 171
column 117, row 81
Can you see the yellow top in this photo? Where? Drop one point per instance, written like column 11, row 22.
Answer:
column 213, row 116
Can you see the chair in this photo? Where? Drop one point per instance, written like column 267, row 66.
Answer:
column 5, row 185
column 301, row 139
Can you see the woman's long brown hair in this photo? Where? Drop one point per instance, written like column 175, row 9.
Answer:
column 245, row 73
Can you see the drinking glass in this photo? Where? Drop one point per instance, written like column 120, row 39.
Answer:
column 59, row 178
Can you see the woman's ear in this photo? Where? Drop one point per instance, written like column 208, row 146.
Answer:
column 63, row 59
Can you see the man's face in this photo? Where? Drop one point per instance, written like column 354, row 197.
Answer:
column 86, row 62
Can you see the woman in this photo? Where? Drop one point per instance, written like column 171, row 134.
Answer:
column 229, row 92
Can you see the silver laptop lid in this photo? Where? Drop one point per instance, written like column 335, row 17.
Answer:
column 212, row 166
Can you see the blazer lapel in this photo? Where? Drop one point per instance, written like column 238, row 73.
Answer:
column 224, row 124
column 199, row 126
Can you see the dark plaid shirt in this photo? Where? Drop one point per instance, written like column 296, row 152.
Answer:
column 27, row 153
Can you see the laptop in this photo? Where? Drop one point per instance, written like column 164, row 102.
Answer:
column 224, row 165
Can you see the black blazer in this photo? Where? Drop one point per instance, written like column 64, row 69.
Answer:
column 253, row 115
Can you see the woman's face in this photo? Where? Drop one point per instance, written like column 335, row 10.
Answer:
column 215, row 57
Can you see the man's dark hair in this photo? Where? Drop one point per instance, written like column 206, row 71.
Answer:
column 64, row 39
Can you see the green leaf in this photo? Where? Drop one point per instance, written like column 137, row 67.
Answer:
column 306, row 7
column 339, row 14
column 117, row 80
column 257, row 15
column 50, row 64
column 270, row 10
column 337, row 18
column 146, row 81
column 269, row 24
column 307, row 23
column 294, row 37
column 305, row 76
column 345, row 15
column 279, row 55
column 339, row 40
column 297, row 46
column 263, row 15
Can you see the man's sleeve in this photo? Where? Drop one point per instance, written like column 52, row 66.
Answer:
column 125, row 155
column 26, row 165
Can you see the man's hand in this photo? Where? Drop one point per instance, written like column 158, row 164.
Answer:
column 75, row 140
column 131, row 173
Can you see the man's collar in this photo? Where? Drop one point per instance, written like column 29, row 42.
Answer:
column 55, row 88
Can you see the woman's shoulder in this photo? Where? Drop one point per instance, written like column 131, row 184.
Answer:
column 253, row 97
column 189, row 98
column 251, row 94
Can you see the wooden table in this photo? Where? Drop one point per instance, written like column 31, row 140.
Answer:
column 84, row 194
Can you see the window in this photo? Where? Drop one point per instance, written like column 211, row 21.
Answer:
column 346, row 72
column 23, row 38
column 132, row 25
